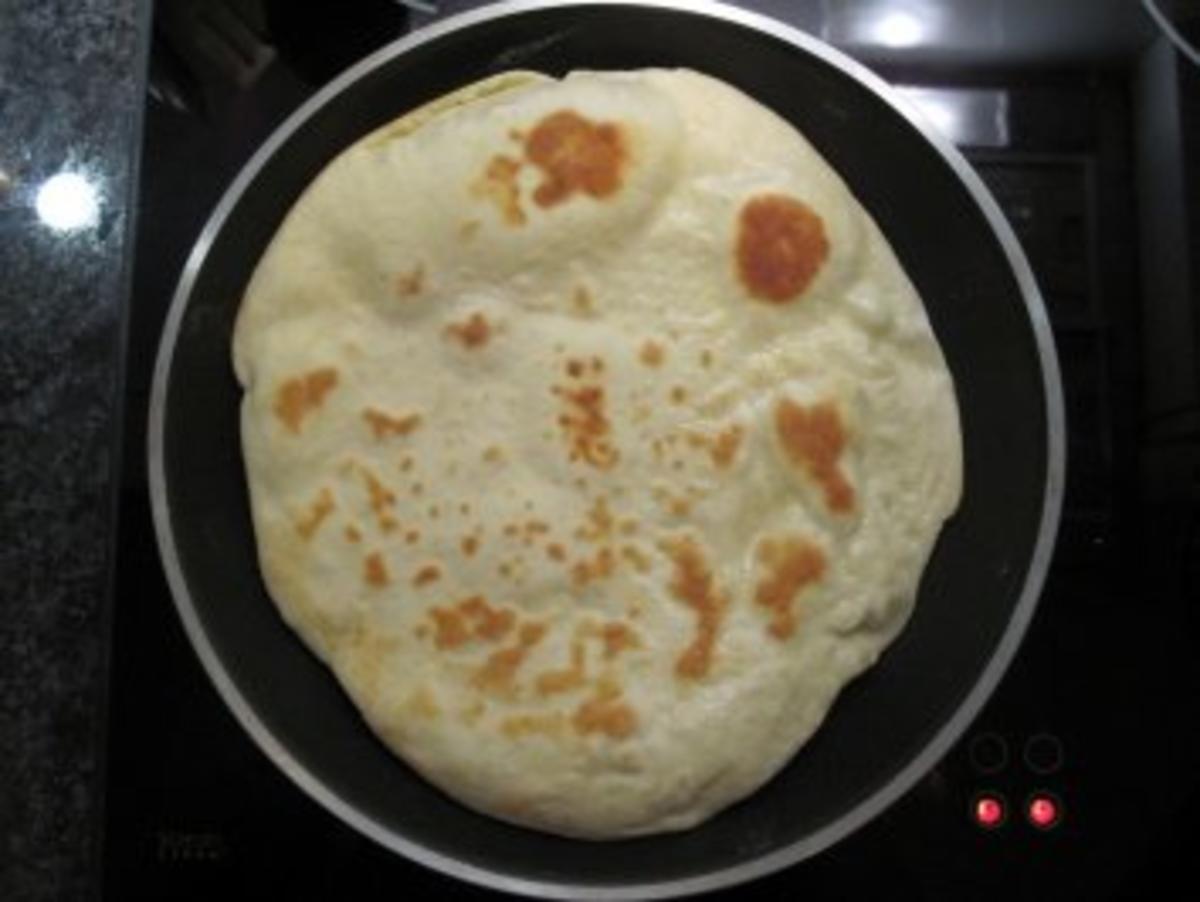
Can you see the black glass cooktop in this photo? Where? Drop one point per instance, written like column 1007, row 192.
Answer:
column 1077, row 779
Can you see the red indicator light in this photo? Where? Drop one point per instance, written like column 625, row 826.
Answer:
column 988, row 811
column 1044, row 811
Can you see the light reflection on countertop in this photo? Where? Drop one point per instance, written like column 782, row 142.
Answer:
column 68, row 201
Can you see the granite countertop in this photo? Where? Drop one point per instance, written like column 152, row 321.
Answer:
column 71, row 77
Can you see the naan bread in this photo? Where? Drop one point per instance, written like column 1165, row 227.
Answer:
column 595, row 439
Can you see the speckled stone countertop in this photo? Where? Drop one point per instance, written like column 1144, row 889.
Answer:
column 71, row 78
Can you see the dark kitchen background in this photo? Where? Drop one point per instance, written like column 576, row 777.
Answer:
column 123, row 773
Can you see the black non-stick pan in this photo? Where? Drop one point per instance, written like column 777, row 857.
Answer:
column 978, row 593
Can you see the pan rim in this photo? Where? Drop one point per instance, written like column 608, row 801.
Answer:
column 850, row 821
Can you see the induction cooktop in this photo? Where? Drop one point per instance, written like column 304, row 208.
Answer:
column 1077, row 779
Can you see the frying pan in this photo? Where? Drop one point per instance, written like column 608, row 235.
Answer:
column 978, row 593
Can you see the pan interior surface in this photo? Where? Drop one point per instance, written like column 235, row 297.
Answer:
column 975, row 595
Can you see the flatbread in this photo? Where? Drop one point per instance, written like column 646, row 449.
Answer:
column 595, row 439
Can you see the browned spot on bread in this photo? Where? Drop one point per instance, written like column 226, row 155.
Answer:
column 384, row 424
column 725, row 446
column 452, row 628
column 575, row 154
column 633, row 554
column 652, row 353
column 498, row 185
column 493, row 454
column 556, row 552
column 410, row 283
column 581, row 300
column 586, row 427
column 422, row 704
column 617, row 638
column 412, row 536
column 468, row 229
column 380, row 498
column 531, row 531
column 490, row 623
column 814, row 438
column 375, row 571
column 675, row 505
column 706, row 358
column 426, row 574
column 553, row 682
column 600, row 522
column 599, row 566
column 792, row 563
column 606, row 713
column 469, row 545
column 388, row 523
column 300, row 396
column 317, row 513
column 693, row 585
column 473, row 332
column 406, row 463
column 500, row 669
column 781, row 245
column 678, row 394
column 353, row 534
column 519, row 725
column 470, row 618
